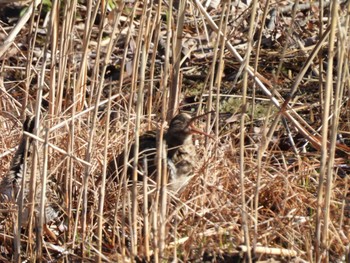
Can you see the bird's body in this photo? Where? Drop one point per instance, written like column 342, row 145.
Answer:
column 21, row 168
column 181, row 153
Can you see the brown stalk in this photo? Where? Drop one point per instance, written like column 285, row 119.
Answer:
column 101, row 86
column 245, row 222
column 145, row 51
column 156, row 31
column 127, row 131
column 88, row 153
column 81, row 80
column 66, row 49
column 103, row 182
column 214, row 75
column 36, row 154
column 42, row 216
column 174, row 90
column 263, row 145
column 161, row 166
column 327, row 154
column 139, row 59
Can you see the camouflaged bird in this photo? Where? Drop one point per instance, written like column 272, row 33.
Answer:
column 181, row 153
column 10, row 186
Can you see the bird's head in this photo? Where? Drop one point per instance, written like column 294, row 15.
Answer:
column 182, row 126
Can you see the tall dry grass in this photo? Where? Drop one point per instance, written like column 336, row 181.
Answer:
column 266, row 187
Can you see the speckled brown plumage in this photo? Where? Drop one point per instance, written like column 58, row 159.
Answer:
column 181, row 153
column 10, row 186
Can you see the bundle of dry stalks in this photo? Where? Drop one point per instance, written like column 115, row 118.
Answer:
column 273, row 184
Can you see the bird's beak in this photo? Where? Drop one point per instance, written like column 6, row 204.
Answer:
column 194, row 129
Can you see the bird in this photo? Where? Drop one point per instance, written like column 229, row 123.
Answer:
column 11, row 184
column 181, row 153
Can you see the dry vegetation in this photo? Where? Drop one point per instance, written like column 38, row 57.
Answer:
column 274, row 182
